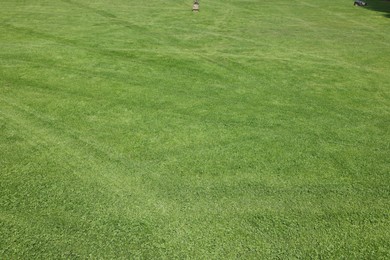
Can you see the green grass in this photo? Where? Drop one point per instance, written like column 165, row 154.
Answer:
column 137, row 129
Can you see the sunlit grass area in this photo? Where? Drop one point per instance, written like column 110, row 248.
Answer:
column 138, row 129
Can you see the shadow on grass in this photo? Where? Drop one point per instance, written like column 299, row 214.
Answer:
column 380, row 6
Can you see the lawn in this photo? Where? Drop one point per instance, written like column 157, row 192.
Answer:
column 137, row 129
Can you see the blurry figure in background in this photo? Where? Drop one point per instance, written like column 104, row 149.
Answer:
column 195, row 6
column 359, row 3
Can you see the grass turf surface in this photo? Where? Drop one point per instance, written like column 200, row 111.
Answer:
column 253, row 129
